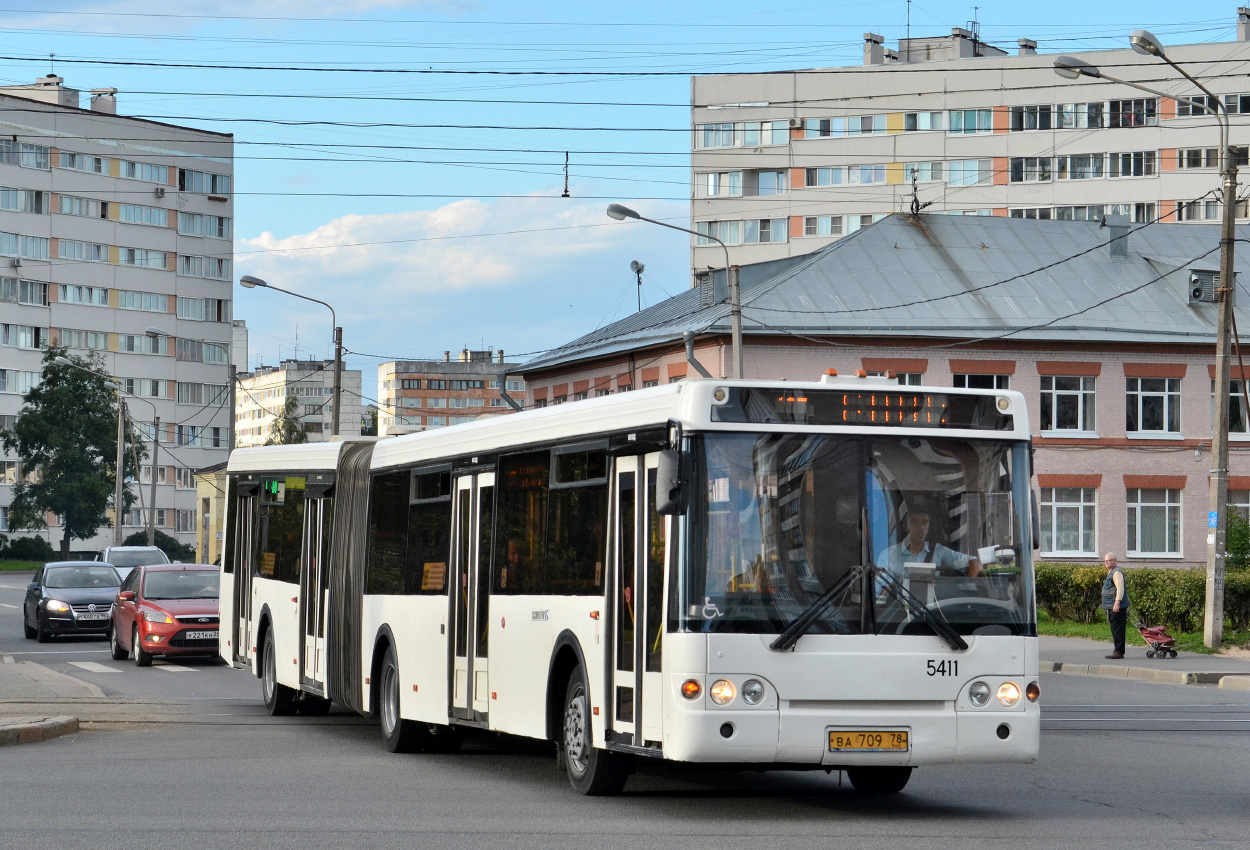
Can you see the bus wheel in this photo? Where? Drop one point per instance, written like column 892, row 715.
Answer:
column 591, row 771
column 399, row 735
column 279, row 699
column 878, row 780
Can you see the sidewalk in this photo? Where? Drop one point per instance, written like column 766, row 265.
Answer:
column 1077, row 656
column 31, row 699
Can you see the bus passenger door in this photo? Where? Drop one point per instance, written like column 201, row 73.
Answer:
column 244, row 520
column 637, row 604
column 313, row 582
column 470, row 595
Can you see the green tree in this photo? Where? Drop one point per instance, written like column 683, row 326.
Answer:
column 66, row 430
column 369, row 422
column 287, row 429
column 1237, row 541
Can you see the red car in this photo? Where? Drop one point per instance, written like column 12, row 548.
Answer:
column 166, row 609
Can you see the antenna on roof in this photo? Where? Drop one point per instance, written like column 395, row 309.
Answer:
column 916, row 206
column 566, row 175
column 52, row 62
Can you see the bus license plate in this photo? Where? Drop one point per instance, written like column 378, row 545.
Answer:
column 202, row 635
column 867, row 740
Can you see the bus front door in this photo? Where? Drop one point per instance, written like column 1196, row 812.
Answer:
column 313, row 582
column 637, row 605
column 470, row 595
column 244, row 520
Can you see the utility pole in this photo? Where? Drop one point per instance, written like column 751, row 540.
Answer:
column 338, row 380
column 233, row 380
column 1217, row 518
column 118, row 518
column 156, row 443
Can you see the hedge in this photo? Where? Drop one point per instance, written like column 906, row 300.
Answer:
column 1158, row 596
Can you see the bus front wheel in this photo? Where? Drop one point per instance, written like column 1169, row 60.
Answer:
column 279, row 699
column 878, row 780
column 399, row 735
column 592, row 772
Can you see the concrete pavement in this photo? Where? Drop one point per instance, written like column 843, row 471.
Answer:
column 1077, row 656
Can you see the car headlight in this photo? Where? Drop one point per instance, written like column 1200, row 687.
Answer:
column 753, row 691
column 157, row 617
column 722, row 691
column 1009, row 693
column 57, row 606
column 979, row 694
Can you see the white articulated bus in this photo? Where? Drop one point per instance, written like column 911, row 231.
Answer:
column 829, row 575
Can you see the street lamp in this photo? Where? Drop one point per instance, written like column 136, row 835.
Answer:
column 157, row 333
column 1147, row 45
column 250, row 282
column 620, row 213
column 114, row 384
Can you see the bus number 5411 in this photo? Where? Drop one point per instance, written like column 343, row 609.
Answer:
column 948, row 667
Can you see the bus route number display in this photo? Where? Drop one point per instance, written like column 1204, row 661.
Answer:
column 893, row 409
column 882, row 408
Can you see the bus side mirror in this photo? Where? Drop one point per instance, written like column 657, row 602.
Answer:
column 670, row 484
column 1037, row 519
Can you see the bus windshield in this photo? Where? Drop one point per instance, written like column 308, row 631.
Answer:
column 904, row 531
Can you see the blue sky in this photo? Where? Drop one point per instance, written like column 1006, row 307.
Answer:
column 424, row 202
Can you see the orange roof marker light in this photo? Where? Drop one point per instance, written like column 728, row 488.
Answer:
column 860, row 373
column 832, row 373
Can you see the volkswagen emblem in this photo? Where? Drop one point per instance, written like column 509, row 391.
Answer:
column 91, row 607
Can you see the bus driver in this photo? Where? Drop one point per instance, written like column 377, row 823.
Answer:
column 915, row 547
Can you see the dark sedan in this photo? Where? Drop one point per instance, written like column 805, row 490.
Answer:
column 70, row 598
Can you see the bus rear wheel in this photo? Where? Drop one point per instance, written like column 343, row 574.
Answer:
column 398, row 735
column 879, row 780
column 279, row 699
column 592, row 772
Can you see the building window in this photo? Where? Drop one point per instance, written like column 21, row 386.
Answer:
column 743, row 133
column 1067, row 403
column 145, row 257
column 436, row 384
column 765, row 230
column 865, row 174
column 1153, row 405
column 1030, row 118
column 925, row 172
column 969, row 172
column 466, row 385
column 410, row 383
column 602, row 393
column 184, row 478
column 722, row 184
column 1087, row 166
column 1204, row 106
column 202, row 182
column 212, row 268
column 983, row 382
column 1092, row 212
column 772, row 183
column 908, row 379
column 1068, row 521
column 1133, row 164
column 1199, row 210
column 148, row 301
column 91, row 340
column 1154, row 522
column 917, row 122
column 83, row 162
column 23, row 200
column 1030, row 169
column 142, row 344
column 1078, row 116
column 1041, row 213
column 136, row 214
column 827, row 176
column 144, row 171
column 1198, row 158
column 1136, row 112
column 729, row 232
column 964, row 121
column 1236, row 407
column 822, row 225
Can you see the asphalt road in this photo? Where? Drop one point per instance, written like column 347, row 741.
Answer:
column 1123, row 764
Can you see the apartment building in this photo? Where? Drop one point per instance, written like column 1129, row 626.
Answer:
column 262, row 393
column 1109, row 334
column 784, row 163
column 116, row 238
column 414, row 395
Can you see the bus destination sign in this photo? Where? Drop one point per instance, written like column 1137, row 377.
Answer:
column 873, row 408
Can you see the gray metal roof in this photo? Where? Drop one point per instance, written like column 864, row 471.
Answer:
column 954, row 277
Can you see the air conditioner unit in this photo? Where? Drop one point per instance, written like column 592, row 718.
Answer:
column 17, row 262
column 796, row 123
column 1202, row 288
column 160, row 191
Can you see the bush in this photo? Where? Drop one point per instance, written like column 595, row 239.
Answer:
column 1158, row 596
column 173, row 550
column 28, row 549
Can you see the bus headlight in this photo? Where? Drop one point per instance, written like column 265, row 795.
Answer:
column 722, row 692
column 979, row 694
column 753, row 691
column 1009, row 693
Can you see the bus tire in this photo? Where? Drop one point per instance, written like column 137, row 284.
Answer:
column 879, row 780
column 592, row 772
column 279, row 699
column 398, row 735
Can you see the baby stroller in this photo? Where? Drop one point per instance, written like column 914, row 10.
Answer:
column 1160, row 642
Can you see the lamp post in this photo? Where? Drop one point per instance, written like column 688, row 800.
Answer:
column 1213, row 610
column 158, row 333
column 250, row 282
column 620, row 213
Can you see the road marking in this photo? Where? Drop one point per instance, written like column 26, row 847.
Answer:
column 94, row 667
column 173, row 668
column 59, row 652
column 6, row 605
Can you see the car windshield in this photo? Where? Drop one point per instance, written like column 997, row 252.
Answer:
column 137, row 557
column 899, row 533
column 181, row 584
column 102, row 576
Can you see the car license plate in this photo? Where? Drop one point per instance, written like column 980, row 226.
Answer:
column 96, row 615
column 867, row 740
column 201, row 635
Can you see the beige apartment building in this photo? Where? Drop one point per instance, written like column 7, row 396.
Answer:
column 261, row 394
column 414, row 395
column 116, row 237
column 786, row 162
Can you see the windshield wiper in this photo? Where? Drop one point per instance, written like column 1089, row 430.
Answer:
column 940, row 626
column 799, row 625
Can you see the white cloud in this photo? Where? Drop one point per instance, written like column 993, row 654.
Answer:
column 130, row 16
column 551, row 270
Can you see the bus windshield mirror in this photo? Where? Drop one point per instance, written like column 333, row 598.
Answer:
column 914, row 605
column 799, row 625
column 670, row 487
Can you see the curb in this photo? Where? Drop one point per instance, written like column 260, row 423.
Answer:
column 37, row 729
column 1148, row 674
